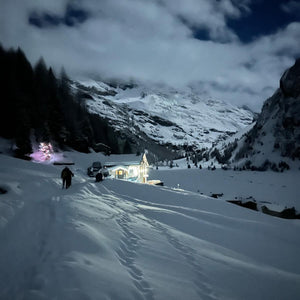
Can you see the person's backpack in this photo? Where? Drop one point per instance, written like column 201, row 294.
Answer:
column 64, row 173
column 99, row 177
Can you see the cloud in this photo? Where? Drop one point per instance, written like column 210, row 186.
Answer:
column 154, row 41
column 208, row 15
column 291, row 7
column 71, row 16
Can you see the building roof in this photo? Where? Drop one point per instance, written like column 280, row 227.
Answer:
column 124, row 160
column 124, row 163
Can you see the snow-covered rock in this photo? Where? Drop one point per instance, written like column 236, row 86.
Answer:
column 275, row 138
column 165, row 115
column 290, row 81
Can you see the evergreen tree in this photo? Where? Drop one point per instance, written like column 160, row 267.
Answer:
column 33, row 100
column 41, row 102
column 54, row 113
column 127, row 148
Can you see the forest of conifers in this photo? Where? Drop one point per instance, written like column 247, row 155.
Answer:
column 36, row 105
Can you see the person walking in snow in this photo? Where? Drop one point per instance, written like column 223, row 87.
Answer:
column 99, row 176
column 66, row 176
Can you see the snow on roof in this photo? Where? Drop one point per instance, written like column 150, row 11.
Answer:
column 125, row 159
column 123, row 163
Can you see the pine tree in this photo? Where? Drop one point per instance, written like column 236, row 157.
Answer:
column 127, row 148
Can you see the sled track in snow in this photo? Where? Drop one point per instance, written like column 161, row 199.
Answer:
column 202, row 286
column 203, row 289
column 29, row 281
column 106, row 199
column 128, row 249
column 127, row 254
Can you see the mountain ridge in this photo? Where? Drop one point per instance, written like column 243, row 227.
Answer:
column 165, row 115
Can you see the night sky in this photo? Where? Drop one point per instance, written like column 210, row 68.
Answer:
column 266, row 18
column 235, row 50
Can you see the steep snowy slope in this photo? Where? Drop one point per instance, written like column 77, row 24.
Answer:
column 121, row 240
column 164, row 114
column 275, row 138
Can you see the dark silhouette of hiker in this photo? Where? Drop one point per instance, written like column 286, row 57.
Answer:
column 99, row 177
column 66, row 175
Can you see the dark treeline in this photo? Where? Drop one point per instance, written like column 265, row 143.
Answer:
column 37, row 106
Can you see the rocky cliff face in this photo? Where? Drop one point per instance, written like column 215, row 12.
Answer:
column 276, row 134
column 290, row 81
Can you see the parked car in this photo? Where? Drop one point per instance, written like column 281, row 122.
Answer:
column 94, row 168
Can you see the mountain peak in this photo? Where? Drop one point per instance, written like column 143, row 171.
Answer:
column 275, row 138
column 166, row 115
column 290, row 81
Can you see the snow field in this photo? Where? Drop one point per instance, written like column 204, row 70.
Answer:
column 267, row 188
column 122, row 240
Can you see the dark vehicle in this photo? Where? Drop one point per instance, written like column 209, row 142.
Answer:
column 94, row 168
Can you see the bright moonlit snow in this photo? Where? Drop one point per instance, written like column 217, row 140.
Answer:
column 122, row 240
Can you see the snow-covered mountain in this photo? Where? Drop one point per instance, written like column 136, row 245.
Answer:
column 165, row 115
column 274, row 140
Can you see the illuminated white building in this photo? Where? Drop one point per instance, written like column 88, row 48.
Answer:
column 135, row 169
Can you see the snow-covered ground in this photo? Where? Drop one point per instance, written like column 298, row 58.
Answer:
column 122, row 240
column 267, row 188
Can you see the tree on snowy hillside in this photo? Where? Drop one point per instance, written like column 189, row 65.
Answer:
column 35, row 105
column 16, row 89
